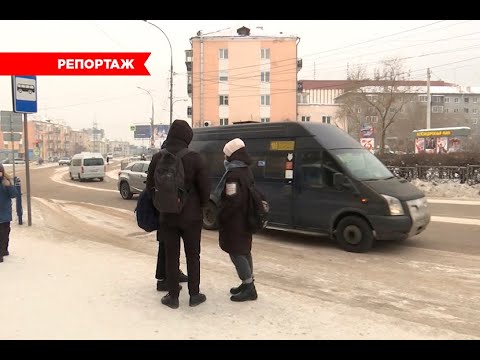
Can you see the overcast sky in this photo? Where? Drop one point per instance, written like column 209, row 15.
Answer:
column 451, row 48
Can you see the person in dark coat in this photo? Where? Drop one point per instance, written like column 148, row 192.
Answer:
column 7, row 193
column 161, row 271
column 188, row 224
column 235, row 238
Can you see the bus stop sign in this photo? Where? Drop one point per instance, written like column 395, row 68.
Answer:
column 24, row 90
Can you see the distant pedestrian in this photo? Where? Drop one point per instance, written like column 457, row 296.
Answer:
column 7, row 193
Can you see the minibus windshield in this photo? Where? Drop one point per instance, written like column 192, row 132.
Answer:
column 362, row 164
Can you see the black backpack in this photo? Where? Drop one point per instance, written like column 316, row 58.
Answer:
column 146, row 213
column 170, row 190
column 258, row 209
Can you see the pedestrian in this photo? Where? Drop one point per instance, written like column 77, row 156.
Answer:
column 187, row 224
column 7, row 193
column 161, row 272
column 235, row 237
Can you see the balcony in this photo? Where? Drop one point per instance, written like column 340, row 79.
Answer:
column 189, row 89
column 188, row 59
column 189, row 111
column 299, row 64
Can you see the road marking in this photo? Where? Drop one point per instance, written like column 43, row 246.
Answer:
column 57, row 177
column 455, row 220
column 453, row 201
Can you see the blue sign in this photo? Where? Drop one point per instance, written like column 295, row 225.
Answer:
column 142, row 132
column 24, row 90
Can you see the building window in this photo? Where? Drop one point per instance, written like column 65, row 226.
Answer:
column 223, row 99
column 265, row 76
column 455, row 110
column 224, row 122
column 437, row 99
column 223, row 53
column 306, row 118
column 265, row 53
column 466, row 100
column 475, row 100
column 265, row 120
column 223, row 76
column 265, row 100
column 326, row 119
column 456, row 100
column 465, row 110
column 446, row 111
column 447, row 99
column 474, row 121
column 303, row 98
column 437, row 109
column 359, row 111
column 372, row 98
column 422, row 98
column 189, row 111
column 372, row 119
column 475, row 111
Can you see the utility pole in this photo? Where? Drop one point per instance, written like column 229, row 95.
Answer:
column 201, row 78
column 429, row 107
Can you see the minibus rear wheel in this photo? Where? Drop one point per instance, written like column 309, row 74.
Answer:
column 210, row 217
column 354, row 234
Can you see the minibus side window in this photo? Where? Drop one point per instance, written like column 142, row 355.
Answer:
column 312, row 173
column 317, row 171
column 275, row 165
column 331, row 167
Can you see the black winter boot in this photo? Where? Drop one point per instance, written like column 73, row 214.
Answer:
column 197, row 299
column 248, row 293
column 238, row 289
column 170, row 301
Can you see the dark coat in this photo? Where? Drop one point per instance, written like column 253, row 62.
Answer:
column 234, row 236
column 196, row 175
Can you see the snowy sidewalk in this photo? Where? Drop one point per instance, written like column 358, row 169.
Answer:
column 58, row 286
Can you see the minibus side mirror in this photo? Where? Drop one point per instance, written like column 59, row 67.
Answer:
column 339, row 181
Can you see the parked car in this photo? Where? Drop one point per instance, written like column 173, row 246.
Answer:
column 64, row 161
column 132, row 179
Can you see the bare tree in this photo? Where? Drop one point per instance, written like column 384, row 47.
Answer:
column 382, row 97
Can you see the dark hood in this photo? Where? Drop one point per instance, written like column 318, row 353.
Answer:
column 179, row 136
column 241, row 155
column 399, row 188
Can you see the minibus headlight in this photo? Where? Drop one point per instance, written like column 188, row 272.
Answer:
column 394, row 205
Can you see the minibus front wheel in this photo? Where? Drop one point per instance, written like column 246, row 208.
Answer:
column 354, row 234
column 210, row 216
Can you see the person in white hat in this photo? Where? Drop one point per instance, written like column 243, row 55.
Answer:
column 235, row 238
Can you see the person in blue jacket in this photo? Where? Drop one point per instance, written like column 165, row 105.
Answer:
column 7, row 193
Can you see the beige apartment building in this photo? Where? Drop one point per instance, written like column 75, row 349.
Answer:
column 242, row 75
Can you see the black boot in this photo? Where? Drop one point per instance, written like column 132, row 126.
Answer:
column 238, row 289
column 170, row 301
column 197, row 299
column 248, row 293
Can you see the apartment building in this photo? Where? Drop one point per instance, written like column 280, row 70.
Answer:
column 242, row 75
column 317, row 99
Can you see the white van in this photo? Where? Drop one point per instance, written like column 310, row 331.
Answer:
column 87, row 165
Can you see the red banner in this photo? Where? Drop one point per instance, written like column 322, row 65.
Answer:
column 59, row 64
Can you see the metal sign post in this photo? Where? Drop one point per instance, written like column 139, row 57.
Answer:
column 24, row 89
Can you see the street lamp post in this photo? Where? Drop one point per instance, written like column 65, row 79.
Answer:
column 152, row 135
column 171, row 71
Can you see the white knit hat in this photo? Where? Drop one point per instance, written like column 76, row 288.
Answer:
column 233, row 146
